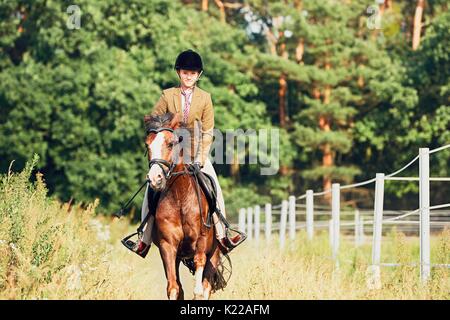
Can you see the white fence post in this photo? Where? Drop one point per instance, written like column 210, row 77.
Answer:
column 335, row 213
column 291, row 217
column 257, row 229
column 283, row 218
column 242, row 220
column 268, row 222
column 374, row 280
column 424, row 203
column 249, row 223
column 309, row 214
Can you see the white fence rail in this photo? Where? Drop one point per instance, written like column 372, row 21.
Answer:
column 297, row 216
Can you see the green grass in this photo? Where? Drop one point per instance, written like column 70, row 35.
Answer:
column 50, row 250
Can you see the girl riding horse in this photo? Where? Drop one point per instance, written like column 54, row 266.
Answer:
column 181, row 229
column 194, row 106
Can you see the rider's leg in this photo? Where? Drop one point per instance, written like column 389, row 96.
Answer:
column 220, row 228
column 143, row 245
column 147, row 232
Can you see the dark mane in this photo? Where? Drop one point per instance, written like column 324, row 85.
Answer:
column 159, row 121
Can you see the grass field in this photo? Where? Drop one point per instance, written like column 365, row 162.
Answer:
column 51, row 251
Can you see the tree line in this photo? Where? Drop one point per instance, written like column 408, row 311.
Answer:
column 355, row 87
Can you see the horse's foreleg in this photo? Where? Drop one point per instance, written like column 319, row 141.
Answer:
column 181, row 292
column 199, row 261
column 168, row 254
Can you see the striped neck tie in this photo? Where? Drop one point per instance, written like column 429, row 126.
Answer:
column 187, row 103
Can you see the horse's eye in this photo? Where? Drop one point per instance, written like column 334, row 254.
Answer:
column 170, row 145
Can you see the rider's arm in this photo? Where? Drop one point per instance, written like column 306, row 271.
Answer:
column 207, row 130
column 161, row 106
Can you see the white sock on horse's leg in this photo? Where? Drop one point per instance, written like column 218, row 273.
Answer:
column 206, row 289
column 173, row 295
column 198, row 289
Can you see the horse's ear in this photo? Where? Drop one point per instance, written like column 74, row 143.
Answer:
column 147, row 118
column 175, row 122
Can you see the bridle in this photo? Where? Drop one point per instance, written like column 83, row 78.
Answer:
column 166, row 167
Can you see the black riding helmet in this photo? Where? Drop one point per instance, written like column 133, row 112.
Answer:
column 189, row 60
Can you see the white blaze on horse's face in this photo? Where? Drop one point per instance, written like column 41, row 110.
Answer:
column 156, row 174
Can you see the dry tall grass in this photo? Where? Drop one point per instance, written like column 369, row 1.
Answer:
column 50, row 252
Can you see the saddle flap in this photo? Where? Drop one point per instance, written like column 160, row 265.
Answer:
column 209, row 189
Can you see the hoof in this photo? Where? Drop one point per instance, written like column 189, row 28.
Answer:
column 173, row 295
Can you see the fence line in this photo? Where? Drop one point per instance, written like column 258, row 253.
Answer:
column 288, row 215
column 402, row 169
column 320, row 224
column 415, row 179
column 370, row 212
column 439, row 149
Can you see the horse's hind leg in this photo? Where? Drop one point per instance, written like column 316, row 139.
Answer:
column 168, row 254
column 210, row 271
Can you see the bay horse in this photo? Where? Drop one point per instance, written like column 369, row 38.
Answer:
column 179, row 230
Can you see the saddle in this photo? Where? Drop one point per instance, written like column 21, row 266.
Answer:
column 209, row 189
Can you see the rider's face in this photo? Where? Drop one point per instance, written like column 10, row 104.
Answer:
column 188, row 77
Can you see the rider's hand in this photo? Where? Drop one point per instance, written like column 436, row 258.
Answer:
column 197, row 166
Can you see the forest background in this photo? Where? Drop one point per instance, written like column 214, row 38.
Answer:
column 355, row 88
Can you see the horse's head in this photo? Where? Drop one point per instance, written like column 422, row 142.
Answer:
column 163, row 149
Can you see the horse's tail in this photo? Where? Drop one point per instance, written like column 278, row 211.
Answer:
column 189, row 263
column 219, row 279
